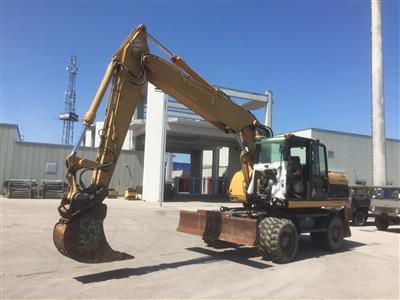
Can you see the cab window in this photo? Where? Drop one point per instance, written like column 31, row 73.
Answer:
column 300, row 152
column 319, row 161
column 269, row 152
column 322, row 160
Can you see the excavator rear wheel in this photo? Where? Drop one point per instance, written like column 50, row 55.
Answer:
column 278, row 240
column 332, row 239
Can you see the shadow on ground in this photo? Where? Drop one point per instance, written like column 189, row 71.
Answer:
column 394, row 230
column 239, row 255
column 305, row 251
column 308, row 250
column 370, row 227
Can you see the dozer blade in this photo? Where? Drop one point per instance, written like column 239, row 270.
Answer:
column 215, row 225
column 83, row 238
column 242, row 231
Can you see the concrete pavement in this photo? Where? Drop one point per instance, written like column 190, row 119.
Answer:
column 169, row 264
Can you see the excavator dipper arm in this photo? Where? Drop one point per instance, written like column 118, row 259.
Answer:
column 79, row 234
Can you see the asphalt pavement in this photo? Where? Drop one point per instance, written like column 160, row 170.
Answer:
column 169, row 264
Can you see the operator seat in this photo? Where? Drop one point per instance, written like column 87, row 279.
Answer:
column 298, row 184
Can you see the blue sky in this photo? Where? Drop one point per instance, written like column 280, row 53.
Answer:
column 313, row 55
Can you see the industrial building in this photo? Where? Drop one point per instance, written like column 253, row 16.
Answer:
column 214, row 155
column 38, row 161
column 347, row 152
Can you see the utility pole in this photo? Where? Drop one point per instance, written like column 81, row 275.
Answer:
column 378, row 103
column 69, row 116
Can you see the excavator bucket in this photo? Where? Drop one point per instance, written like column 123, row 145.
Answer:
column 221, row 226
column 83, row 238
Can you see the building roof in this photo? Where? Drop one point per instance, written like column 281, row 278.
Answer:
column 340, row 132
column 15, row 126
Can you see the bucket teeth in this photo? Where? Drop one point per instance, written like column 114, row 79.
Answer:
column 83, row 239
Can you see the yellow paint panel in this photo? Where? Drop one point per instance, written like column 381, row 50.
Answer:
column 237, row 190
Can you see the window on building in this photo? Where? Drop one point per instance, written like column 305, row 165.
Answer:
column 330, row 154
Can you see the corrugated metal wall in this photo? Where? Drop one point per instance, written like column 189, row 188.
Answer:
column 8, row 134
column 349, row 153
column 352, row 154
column 393, row 161
column 25, row 160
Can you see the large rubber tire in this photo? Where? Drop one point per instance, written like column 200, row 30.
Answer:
column 359, row 218
column 332, row 239
column 278, row 240
column 381, row 222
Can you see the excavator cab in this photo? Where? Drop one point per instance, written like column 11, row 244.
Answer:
column 288, row 167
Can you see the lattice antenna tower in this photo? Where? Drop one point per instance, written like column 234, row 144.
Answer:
column 69, row 116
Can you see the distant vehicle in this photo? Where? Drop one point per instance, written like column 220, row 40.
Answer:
column 385, row 206
column 360, row 204
column 169, row 191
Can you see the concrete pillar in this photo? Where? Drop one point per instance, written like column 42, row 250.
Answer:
column 378, row 104
column 215, row 170
column 268, row 110
column 196, row 168
column 154, row 149
column 169, row 166
column 89, row 137
column 98, row 128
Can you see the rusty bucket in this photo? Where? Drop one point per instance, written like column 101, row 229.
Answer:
column 221, row 226
column 83, row 238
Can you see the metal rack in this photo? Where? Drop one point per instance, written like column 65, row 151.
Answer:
column 27, row 188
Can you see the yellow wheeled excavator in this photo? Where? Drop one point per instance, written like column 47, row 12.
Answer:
column 284, row 183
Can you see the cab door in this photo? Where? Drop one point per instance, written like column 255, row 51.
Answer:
column 319, row 172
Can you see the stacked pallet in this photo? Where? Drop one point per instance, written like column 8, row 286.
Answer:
column 53, row 188
column 21, row 188
column 27, row 188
